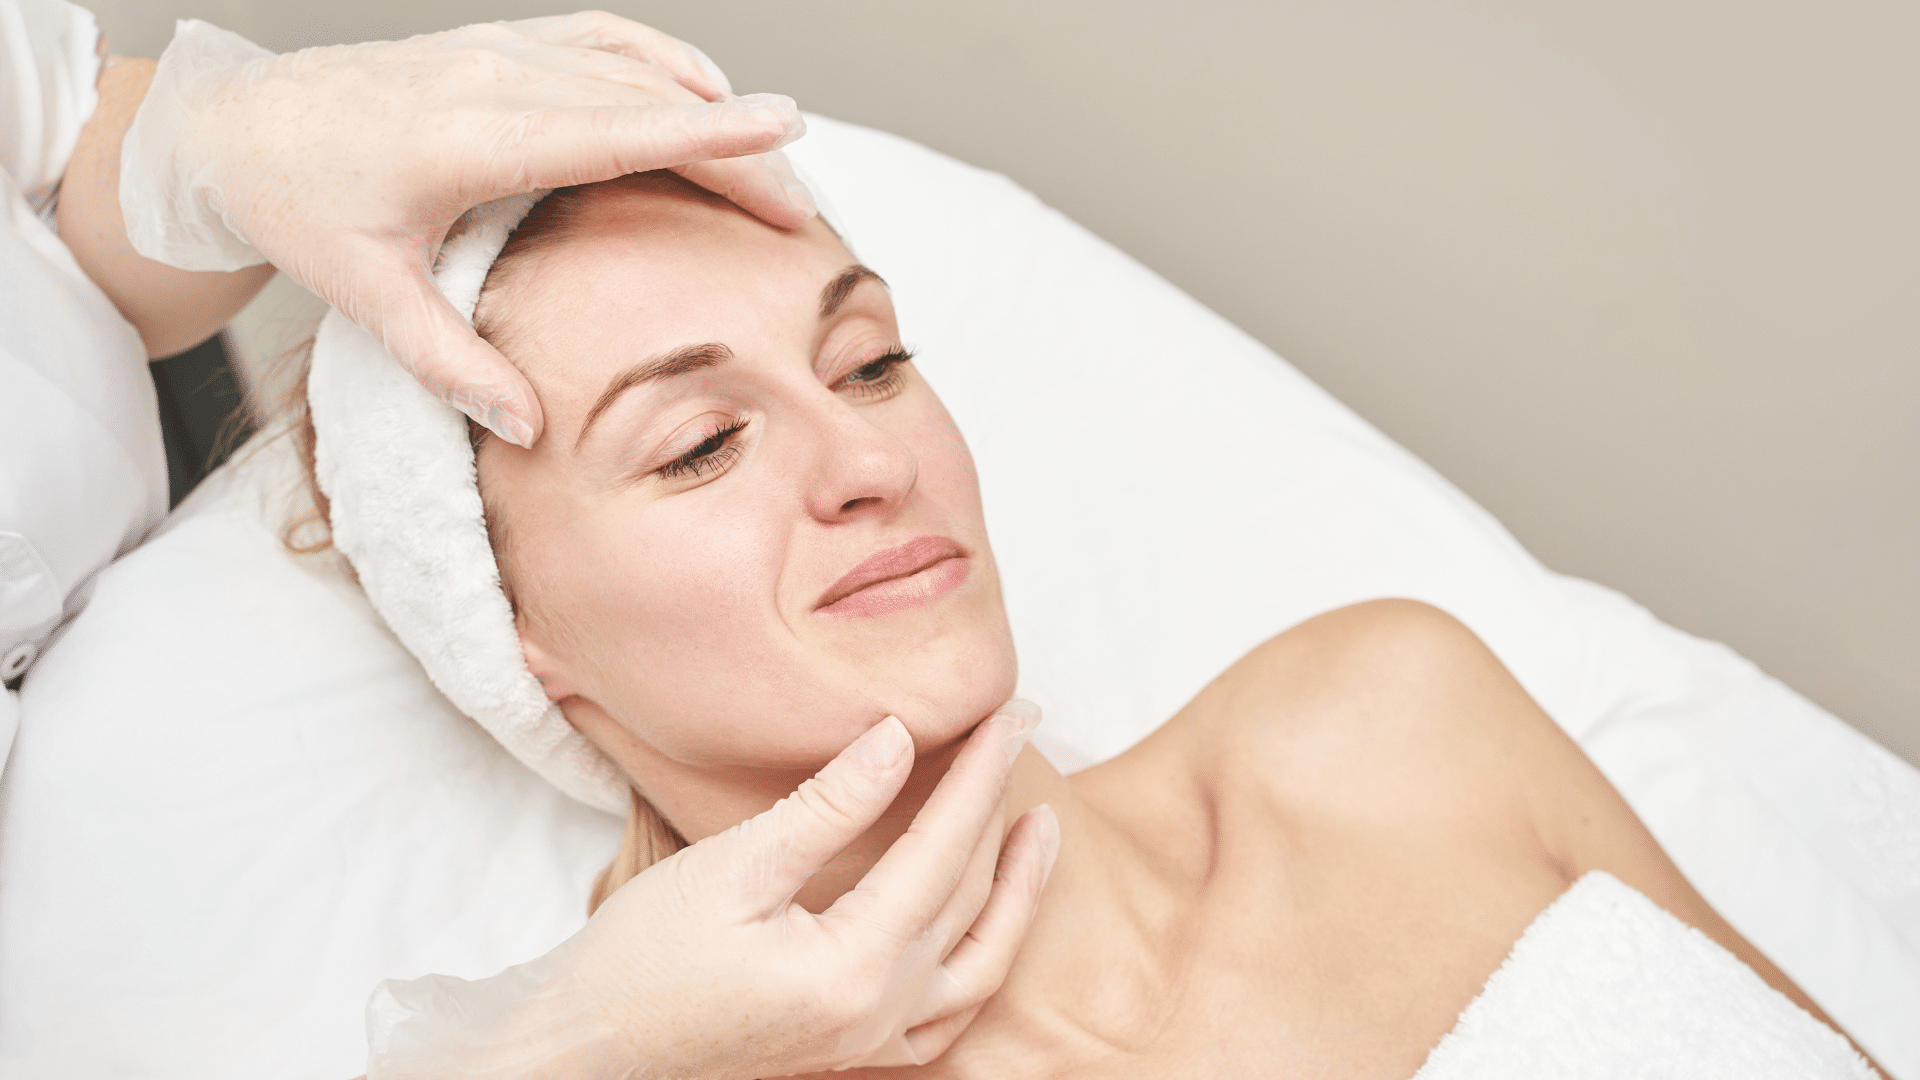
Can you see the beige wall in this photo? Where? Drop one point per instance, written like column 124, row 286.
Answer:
column 1642, row 277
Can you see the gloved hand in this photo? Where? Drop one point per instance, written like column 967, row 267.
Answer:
column 702, row 967
column 344, row 166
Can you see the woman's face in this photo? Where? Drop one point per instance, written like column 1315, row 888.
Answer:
column 750, row 530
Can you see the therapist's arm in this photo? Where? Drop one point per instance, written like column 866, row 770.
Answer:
column 173, row 310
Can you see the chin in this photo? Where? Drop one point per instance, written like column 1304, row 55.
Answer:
column 952, row 693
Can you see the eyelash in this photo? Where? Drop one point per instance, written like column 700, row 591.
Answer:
column 700, row 460
column 886, row 382
column 717, row 452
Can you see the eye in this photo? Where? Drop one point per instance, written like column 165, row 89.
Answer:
column 713, row 454
column 880, row 377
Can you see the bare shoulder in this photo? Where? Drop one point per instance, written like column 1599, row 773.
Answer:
column 1392, row 719
column 1390, row 705
column 1385, row 730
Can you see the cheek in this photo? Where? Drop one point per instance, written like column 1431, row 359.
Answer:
column 946, row 475
column 675, row 625
column 666, row 618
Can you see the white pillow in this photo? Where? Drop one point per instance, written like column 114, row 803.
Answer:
column 235, row 804
column 209, row 857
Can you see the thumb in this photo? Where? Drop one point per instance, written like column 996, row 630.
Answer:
column 769, row 857
column 419, row 326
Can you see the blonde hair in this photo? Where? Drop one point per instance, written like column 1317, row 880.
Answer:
column 648, row 840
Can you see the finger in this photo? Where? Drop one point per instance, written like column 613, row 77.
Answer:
column 420, row 328
column 927, row 1042
column 564, row 147
column 763, row 185
column 907, row 888
column 970, row 896
column 978, row 965
column 610, row 33
column 590, row 67
column 545, row 65
column 769, row 857
column 917, row 975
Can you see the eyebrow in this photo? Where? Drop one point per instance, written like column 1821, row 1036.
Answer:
column 690, row 358
column 681, row 361
column 842, row 286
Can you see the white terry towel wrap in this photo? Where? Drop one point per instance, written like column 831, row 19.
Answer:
column 404, row 505
column 1606, row 984
column 398, row 471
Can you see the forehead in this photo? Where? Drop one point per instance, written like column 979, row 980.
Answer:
column 648, row 262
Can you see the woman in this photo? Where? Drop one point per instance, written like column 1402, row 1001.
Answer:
column 225, row 138
column 752, row 532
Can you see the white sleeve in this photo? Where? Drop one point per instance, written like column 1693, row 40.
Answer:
column 83, row 474
column 48, row 66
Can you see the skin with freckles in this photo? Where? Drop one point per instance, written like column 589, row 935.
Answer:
column 751, row 532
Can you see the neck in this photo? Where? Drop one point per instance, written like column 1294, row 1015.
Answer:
column 1114, row 910
column 1092, row 979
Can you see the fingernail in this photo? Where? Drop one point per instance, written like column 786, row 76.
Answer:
column 1024, row 716
column 1049, row 824
column 490, row 409
column 884, row 745
column 1024, row 711
column 711, row 69
column 782, row 110
column 798, row 194
column 510, row 427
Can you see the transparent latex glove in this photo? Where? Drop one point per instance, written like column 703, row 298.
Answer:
column 703, row 968
column 344, row 166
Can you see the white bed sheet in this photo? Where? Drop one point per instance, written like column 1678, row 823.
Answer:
column 235, row 803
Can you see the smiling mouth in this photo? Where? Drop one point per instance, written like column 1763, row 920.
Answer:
column 914, row 573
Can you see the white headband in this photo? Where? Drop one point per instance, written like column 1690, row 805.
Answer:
column 397, row 468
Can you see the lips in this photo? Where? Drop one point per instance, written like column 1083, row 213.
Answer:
column 914, row 573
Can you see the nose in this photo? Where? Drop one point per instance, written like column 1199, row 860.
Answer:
column 859, row 468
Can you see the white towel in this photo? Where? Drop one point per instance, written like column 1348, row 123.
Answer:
column 396, row 464
column 1605, row 984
